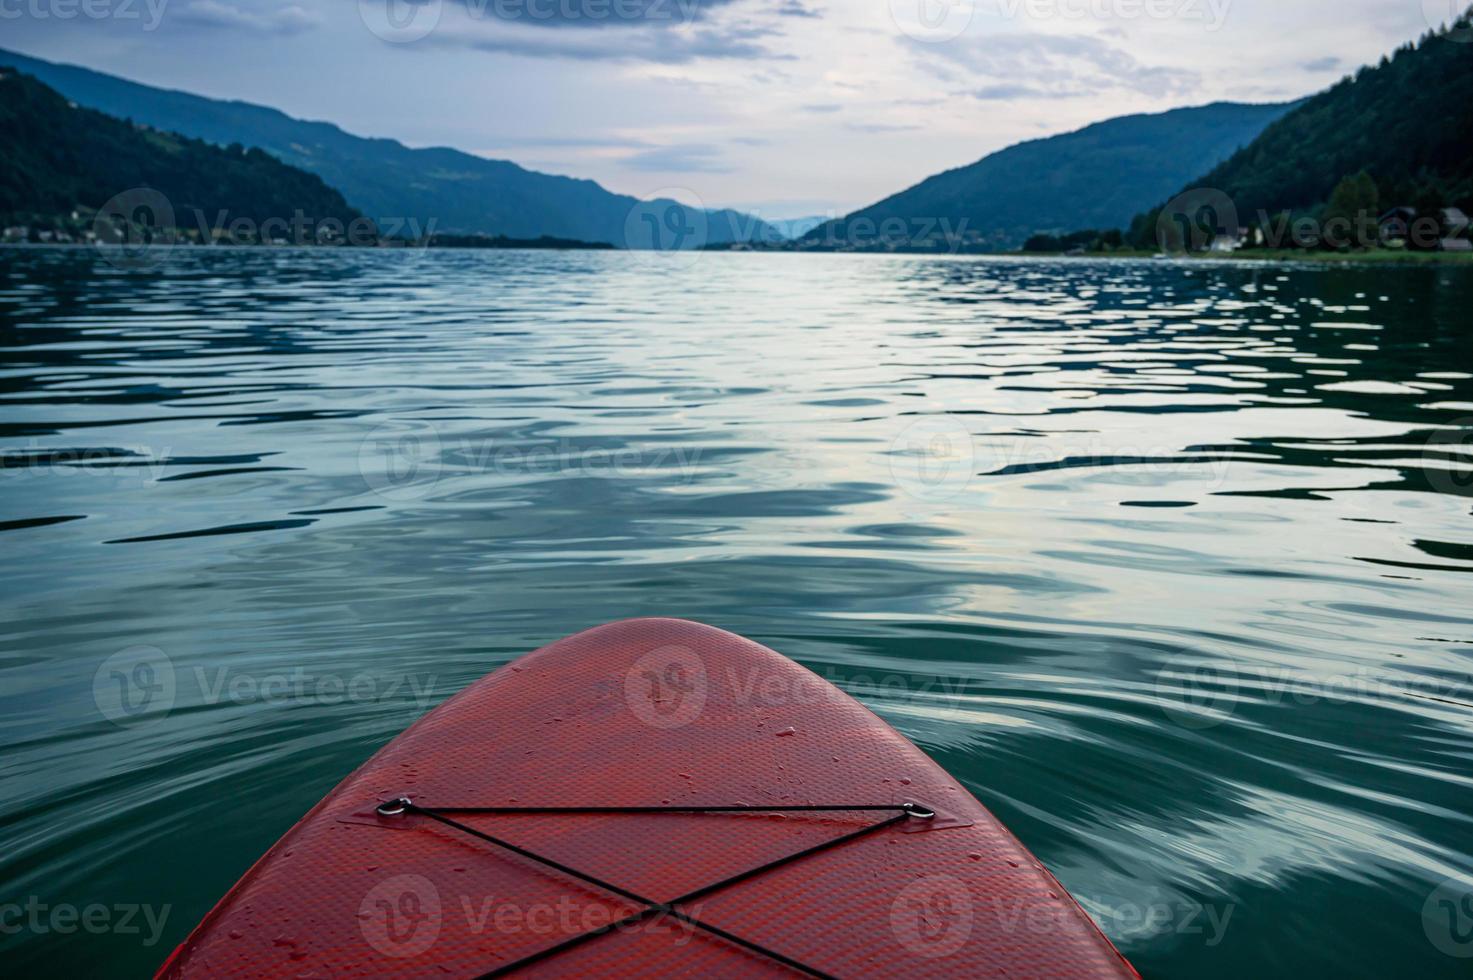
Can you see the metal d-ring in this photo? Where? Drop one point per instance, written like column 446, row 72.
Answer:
column 918, row 811
column 394, row 808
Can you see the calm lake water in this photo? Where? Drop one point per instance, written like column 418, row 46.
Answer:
column 1168, row 563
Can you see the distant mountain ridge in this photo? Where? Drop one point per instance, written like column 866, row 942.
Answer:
column 438, row 189
column 1096, row 177
column 56, row 157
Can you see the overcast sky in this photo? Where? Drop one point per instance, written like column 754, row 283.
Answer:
column 786, row 107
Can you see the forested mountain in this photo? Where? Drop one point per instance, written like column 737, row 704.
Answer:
column 1407, row 123
column 1096, row 177
column 443, row 189
column 56, row 156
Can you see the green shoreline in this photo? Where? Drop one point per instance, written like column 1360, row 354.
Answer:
column 1373, row 257
column 1380, row 257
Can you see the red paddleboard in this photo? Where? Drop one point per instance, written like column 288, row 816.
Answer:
column 653, row 797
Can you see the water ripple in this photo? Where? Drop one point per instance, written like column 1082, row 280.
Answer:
column 1166, row 561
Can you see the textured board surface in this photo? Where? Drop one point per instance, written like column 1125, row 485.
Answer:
column 648, row 713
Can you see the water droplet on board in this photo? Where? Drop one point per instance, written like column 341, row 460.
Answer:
column 975, row 855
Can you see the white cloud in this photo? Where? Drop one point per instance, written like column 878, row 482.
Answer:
column 1022, row 66
column 291, row 19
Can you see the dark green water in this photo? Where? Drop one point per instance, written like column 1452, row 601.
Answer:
column 1169, row 564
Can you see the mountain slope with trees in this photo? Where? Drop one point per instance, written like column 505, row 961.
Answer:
column 1397, row 133
column 1097, row 177
column 56, row 156
column 438, row 188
